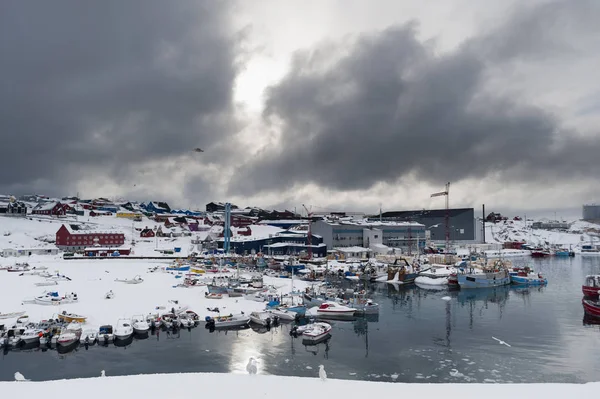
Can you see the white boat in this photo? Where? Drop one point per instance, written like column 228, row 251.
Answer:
column 106, row 334
column 283, row 314
column 46, row 283
column 11, row 315
column 140, row 325
column 123, row 329
column 71, row 334
column 335, row 309
column 54, row 299
column 89, row 336
column 13, row 336
column 231, row 320
column 32, row 335
column 262, row 318
column 314, row 332
column 136, row 280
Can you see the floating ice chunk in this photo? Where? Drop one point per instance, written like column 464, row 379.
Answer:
column 394, row 376
column 446, row 298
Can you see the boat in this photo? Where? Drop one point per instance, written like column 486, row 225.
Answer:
column 313, row 332
column 590, row 307
column 231, row 320
column 539, row 253
column 213, row 296
column 32, row 335
column 493, row 275
column 591, row 286
column 123, row 329
column 54, row 299
column 13, row 336
column 11, row 315
column 106, row 334
column 283, row 314
column 135, row 280
column 46, row 283
column 89, row 337
column 217, row 289
column 178, row 268
column 186, row 322
column 71, row 317
column 109, row 295
column 69, row 335
column 526, row 276
column 330, row 309
column 263, row 318
column 140, row 325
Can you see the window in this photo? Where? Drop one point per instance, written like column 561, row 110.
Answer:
column 462, row 231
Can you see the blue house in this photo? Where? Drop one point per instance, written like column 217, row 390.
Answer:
column 156, row 207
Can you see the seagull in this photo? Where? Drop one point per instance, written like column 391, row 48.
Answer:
column 322, row 373
column 501, row 342
column 102, row 374
column 198, row 150
column 251, row 366
column 20, row 377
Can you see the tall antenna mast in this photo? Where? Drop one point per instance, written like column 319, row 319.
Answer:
column 309, row 234
column 446, row 193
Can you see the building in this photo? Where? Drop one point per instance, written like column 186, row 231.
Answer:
column 147, row 233
column 50, row 209
column 591, row 213
column 156, row 207
column 365, row 233
column 106, row 251
column 11, row 252
column 463, row 225
column 550, row 225
column 217, row 207
column 13, row 208
column 296, row 244
column 129, row 215
column 70, row 238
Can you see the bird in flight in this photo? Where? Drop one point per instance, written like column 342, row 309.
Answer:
column 198, row 149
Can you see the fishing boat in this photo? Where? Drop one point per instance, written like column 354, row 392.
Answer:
column 213, row 296
column 11, row 315
column 106, row 334
column 71, row 317
column 526, row 276
column 492, row 275
column 590, row 307
column 231, row 320
column 591, row 287
column 312, row 332
column 330, row 309
column 262, row 318
column 539, row 253
column 135, row 280
column 140, row 325
column 32, row 335
column 123, row 329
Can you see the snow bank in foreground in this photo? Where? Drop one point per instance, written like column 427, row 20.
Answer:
column 258, row 386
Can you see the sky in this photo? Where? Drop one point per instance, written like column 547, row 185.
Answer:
column 335, row 104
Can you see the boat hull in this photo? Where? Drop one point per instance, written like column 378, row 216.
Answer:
column 591, row 292
column 483, row 280
column 526, row 280
column 591, row 308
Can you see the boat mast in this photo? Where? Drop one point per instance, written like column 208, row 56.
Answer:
column 446, row 193
column 309, row 235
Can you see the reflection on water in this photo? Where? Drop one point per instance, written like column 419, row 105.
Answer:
column 417, row 337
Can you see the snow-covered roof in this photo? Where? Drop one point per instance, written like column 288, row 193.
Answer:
column 352, row 249
column 45, row 206
column 367, row 223
column 89, row 232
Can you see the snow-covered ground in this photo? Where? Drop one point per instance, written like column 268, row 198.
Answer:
column 579, row 233
column 92, row 279
column 262, row 386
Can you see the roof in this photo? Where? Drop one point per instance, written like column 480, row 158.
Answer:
column 73, row 230
column 352, row 249
column 46, row 206
column 426, row 213
column 367, row 223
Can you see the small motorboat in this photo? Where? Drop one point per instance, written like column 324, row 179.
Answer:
column 71, row 333
column 54, row 299
column 526, row 276
column 186, row 322
column 89, row 337
column 71, row 317
column 46, row 283
column 13, row 336
column 591, row 286
column 263, row 318
column 231, row 320
column 140, row 325
column 106, row 334
column 32, row 335
column 335, row 309
column 124, row 329
column 591, row 308
column 136, row 280
column 283, row 314
column 11, row 315
column 312, row 332
column 213, row 296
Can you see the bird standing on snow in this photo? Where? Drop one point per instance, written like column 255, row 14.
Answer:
column 322, row 373
column 102, row 374
column 251, row 367
column 20, row 377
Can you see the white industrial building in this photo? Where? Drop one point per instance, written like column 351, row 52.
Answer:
column 15, row 252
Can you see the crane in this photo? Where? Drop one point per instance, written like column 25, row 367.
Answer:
column 309, row 235
column 446, row 193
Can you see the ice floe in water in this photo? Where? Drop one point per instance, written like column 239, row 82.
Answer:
column 446, row 298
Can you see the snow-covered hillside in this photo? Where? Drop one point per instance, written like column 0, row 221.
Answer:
column 579, row 233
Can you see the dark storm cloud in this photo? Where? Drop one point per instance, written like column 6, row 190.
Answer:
column 106, row 84
column 390, row 106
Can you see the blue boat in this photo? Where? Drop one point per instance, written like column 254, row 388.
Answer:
column 484, row 280
column 532, row 279
column 178, row 268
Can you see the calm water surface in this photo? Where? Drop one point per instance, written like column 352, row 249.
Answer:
column 418, row 337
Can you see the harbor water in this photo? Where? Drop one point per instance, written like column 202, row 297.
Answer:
column 506, row 334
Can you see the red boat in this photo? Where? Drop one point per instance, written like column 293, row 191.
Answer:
column 590, row 307
column 539, row 254
column 453, row 280
column 591, row 287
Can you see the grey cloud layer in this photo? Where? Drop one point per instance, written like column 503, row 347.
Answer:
column 110, row 83
column 390, row 106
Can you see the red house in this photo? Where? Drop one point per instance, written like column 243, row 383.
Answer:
column 68, row 237
column 147, row 233
column 51, row 209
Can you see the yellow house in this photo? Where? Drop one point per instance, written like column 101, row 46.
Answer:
column 128, row 215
